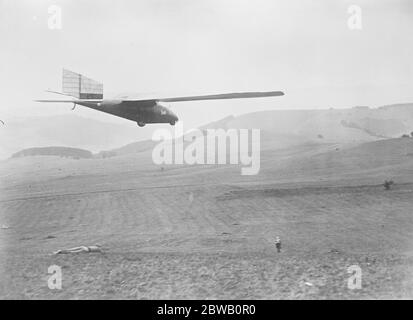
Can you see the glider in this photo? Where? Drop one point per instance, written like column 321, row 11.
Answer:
column 89, row 93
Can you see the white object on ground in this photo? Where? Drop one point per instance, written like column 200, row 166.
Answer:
column 79, row 249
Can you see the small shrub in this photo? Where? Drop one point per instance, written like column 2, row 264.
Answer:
column 387, row 184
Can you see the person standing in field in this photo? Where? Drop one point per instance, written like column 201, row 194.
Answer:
column 278, row 244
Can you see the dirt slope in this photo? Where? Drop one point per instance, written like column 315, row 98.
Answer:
column 208, row 232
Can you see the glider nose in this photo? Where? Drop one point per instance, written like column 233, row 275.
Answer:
column 174, row 117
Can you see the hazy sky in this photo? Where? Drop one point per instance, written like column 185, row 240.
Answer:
column 209, row 46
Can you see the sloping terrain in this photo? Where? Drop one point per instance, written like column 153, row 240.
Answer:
column 206, row 231
column 285, row 127
column 67, row 131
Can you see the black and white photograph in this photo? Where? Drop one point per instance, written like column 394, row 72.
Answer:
column 219, row 151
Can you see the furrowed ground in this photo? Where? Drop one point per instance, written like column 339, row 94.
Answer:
column 208, row 232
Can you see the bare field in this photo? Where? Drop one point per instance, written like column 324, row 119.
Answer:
column 206, row 231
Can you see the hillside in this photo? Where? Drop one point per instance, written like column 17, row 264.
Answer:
column 286, row 128
column 65, row 130
column 280, row 128
column 63, row 152
column 207, row 232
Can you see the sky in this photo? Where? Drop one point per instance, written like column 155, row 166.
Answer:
column 182, row 47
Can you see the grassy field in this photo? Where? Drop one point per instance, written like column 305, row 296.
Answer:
column 206, row 231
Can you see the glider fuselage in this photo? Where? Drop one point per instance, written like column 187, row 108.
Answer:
column 144, row 112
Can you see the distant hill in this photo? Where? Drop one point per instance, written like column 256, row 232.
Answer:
column 279, row 128
column 284, row 128
column 334, row 125
column 66, row 130
column 54, row 151
column 135, row 147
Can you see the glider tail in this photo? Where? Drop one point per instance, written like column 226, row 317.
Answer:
column 81, row 87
